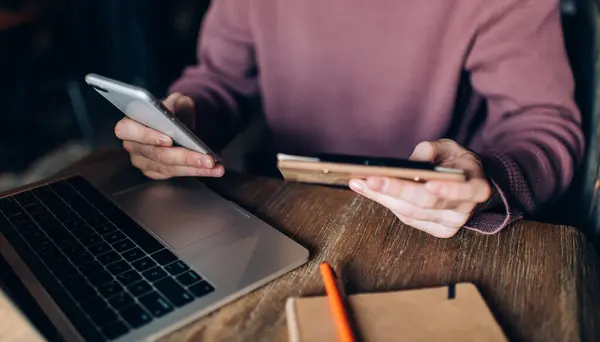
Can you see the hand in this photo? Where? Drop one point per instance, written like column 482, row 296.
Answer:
column 439, row 208
column 153, row 152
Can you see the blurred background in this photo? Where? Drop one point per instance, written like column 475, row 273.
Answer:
column 49, row 117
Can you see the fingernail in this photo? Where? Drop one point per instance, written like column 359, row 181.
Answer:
column 208, row 163
column 165, row 141
column 357, row 185
column 377, row 184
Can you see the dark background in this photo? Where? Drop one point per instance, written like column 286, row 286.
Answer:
column 46, row 48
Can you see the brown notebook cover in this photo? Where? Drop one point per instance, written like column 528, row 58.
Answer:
column 413, row 315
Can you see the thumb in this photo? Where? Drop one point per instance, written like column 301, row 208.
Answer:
column 169, row 102
column 183, row 107
column 424, row 152
column 436, row 151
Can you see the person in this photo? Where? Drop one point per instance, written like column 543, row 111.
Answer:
column 477, row 85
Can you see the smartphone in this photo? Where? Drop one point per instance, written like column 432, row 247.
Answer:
column 139, row 105
column 336, row 169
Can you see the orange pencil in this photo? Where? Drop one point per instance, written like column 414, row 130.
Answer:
column 336, row 303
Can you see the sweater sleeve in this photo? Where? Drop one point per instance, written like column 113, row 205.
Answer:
column 532, row 139
column 224, row 83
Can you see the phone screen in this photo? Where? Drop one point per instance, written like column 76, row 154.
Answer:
column 375, row 161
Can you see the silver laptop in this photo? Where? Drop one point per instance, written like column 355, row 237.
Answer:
column 140, row 262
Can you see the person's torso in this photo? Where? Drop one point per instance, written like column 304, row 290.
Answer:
column 362, row 76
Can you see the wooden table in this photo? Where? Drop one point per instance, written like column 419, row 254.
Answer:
column 541, row 281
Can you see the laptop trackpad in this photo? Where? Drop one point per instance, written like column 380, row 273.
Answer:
column 180, row 211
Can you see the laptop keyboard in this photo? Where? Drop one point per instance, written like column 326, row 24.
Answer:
column 108, row 275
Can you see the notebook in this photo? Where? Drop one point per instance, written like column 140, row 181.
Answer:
column 456, row 313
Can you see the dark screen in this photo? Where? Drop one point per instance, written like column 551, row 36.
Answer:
column 375, row 161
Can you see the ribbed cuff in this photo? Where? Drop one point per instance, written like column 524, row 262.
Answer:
column 499, row 211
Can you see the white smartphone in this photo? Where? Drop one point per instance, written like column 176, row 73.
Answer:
column 139, row 105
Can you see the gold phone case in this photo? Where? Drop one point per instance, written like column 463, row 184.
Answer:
column 311, row 170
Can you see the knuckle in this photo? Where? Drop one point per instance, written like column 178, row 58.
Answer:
column 163, row 170
column 136, row 162
column 159, row 154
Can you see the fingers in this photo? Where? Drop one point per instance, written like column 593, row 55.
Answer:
column 155, row 170
column 409, row 191
column 170, row 101
column 449, row 218
column 129, row 130
column 476, row 190
column 434, row 229
column 424, row 151
column 436, row 151
column 183, row 107
column 170, row 155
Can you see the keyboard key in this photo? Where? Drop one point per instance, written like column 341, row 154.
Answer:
column 94, row 304
column 20, row 219
column 64, row 271
column 72, row 249
column 64, row 239
column 177, row 267
column 83, row 293
column 201, row 289
column 143, row 264
column 108, row 258
column 188, row 278
column 139, row 288
column 82, row 258
column 81, row 232
column 100, row 278
column 104, row 317
column 135, row 316
column 75, row 224
column 9, row 206
column 174, row 292
column 154, row 274
column 91, row 268
column 156, row 304
column 49, row 253
column 164, row 257
column 115, row 330
column 139, row 235
column 114, row 237
column 128, row 277
column 99, row 248
column 26, row 198
column 105, row 228
column 118, row 267
column 133, row 254
column 91, row 239
column 123, row 245
column 56, row 261
column 95, row 220
column 110, row 289
column 121, row 301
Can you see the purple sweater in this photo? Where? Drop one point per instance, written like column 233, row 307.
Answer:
column 376, row 78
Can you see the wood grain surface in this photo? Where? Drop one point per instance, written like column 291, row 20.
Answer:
column 541, row 281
